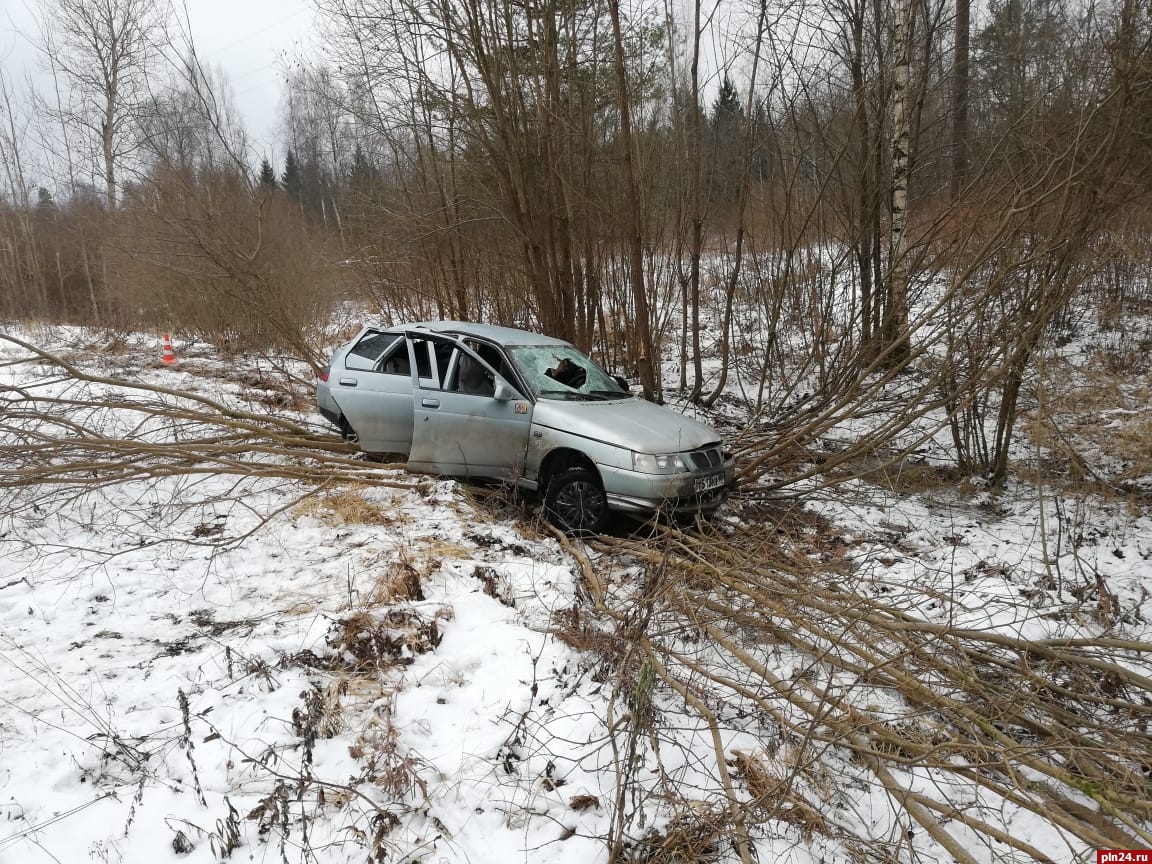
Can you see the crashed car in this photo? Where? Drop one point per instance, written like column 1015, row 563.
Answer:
column 480, row 401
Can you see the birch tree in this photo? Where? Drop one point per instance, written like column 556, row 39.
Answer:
column 106, row 50
column 896, row 341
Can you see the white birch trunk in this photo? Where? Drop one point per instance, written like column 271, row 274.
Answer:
column 897, row 312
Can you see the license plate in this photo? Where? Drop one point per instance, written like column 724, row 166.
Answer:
column 715, row 481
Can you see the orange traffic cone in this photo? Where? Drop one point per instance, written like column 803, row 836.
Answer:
column 167, row 356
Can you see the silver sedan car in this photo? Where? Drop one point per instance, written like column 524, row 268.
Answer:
column 473, row 400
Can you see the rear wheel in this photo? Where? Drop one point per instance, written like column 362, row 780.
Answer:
column 346, row 430
column 575, row 502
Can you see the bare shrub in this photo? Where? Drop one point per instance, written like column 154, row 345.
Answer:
column 974, row 706
column 207, row 256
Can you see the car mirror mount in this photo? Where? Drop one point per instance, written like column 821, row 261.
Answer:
column 503, row 392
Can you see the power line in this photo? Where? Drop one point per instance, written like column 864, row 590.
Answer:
column 256, row 33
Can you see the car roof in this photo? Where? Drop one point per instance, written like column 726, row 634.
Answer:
column 502, row 335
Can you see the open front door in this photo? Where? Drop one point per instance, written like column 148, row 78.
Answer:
column 468, row 419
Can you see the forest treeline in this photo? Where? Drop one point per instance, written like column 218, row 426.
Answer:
column 822, row 194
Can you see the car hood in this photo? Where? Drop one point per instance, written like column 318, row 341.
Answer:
column 634, row 424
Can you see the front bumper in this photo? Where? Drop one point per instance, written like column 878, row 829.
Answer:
column 635, row 492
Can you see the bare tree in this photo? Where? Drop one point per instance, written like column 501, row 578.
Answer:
column 742, row 195
column 106, row 50
column 960, row 90
column 20, row 271
column 635, row 225
column 896, row 314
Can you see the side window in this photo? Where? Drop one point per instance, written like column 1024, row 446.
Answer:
column 426, row 362
column 395, row 362
column 366, row 352
column 492, row 357
column 470, row 376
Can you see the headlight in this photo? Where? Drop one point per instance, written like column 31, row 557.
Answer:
column 664, row 463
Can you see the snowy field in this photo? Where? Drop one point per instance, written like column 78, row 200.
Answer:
column 223, row 655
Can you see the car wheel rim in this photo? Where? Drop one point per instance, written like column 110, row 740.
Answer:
column 579, row 504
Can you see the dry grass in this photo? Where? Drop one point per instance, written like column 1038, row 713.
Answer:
column 1133, row 444
column 350, row 505
column 365, row 642
column 398, row 581
column 913, row 478
column 1086, row 414
column 693, row 836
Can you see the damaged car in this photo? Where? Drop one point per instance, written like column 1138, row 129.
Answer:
column 487, row 402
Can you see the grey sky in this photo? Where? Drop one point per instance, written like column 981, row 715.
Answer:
column 250, row 39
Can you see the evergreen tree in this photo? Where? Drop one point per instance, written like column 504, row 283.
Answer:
column 45, row 203
column 290, row 179
column 268, row 174
column 727, row 122
column 727, row 104
column 364, row 176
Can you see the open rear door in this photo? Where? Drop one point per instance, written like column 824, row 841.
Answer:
column 374, row 393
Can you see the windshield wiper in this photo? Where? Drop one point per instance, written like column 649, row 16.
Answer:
column 565, row 394
column 610, row 394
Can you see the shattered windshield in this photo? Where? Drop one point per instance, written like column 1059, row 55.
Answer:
column 563, row 372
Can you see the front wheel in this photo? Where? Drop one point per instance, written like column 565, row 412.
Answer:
column 575, row 502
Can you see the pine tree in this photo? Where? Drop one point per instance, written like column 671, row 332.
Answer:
column 727, row 104
column 364, row 176
column 45, row 203
column 267, row 174
column 290, row 179
column 727, row 123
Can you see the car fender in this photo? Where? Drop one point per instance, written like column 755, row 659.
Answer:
column 544, row 440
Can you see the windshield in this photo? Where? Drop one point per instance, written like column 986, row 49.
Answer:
column 563, row 372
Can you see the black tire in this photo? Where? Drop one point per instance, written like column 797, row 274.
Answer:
column 575, row 502
column 346, row 430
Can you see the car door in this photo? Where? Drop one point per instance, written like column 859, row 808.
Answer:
column 468, row 420
column 374, row 392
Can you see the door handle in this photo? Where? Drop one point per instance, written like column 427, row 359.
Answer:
column 348, row 382
column 430, row 403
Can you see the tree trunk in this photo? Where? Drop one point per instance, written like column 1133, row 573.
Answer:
column 868, row 228
column 648, row 358
column 696, row 205
column 896, row 343
column 960, row 88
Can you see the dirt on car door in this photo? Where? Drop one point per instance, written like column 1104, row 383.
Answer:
column 377, row 402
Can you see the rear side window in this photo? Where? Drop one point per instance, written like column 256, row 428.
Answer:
column 395, row 360
column 369, row 349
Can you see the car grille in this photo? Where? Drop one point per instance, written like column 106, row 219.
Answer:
column 706, row 457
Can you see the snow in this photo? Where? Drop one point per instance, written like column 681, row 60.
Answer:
column 199, row 666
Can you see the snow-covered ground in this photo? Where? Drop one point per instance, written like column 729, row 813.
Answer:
column 198, row 666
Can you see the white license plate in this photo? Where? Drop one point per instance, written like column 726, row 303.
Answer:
column 714, row 481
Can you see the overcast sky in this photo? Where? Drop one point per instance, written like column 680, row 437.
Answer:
column 250, row 39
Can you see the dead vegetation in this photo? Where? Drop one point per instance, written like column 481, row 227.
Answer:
column 349, row 505
column 766, row 630
column 71, row 430
column 879, row 696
